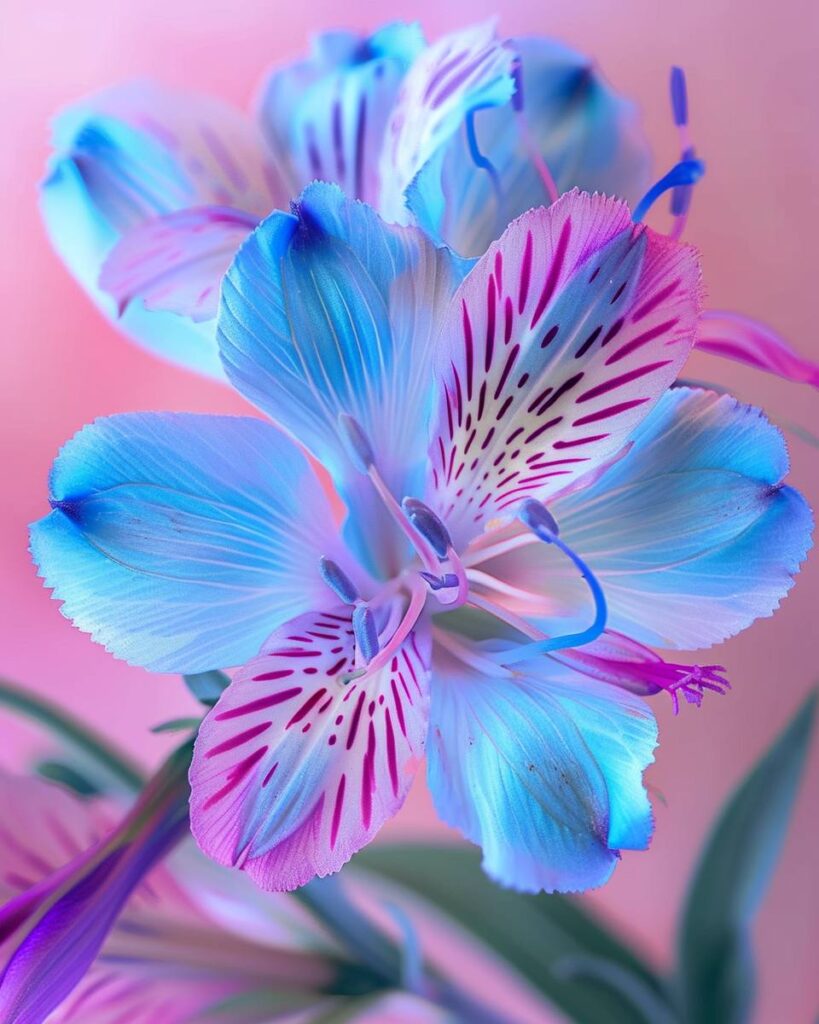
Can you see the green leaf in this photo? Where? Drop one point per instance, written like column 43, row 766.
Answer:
column 543, row 937
column 207, row 687
column 716, row 983
column 66, row 775
column 99, row 760
column 177, row 725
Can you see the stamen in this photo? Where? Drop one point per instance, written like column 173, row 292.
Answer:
column 478, row 158
column 685, row 172
column 682, row 195
column 638, row 669
column 532, row 514
column 366, row 634
column 417, row 600
column 338, row 581
column 428, row 525
column 358, row 445
column 470, row 656
column 449, row 579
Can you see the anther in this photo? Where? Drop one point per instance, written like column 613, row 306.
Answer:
column 444, row 582
column 338, row 581
column 427, row 523
column 358, row 445
column 538, row 518
column 366, row 635
column 679, row 97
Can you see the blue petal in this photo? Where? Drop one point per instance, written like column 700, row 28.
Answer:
column 180, row 541
column 329, row 311
column 325, row 116
column 543, row 771
column 692, row 533
column 137, row 152
column 587, row 135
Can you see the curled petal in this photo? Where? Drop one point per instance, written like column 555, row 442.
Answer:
column 748, row 341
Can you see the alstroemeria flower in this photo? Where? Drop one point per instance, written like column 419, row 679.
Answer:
column 449, row 411
column 150, row 948
column 150, row 191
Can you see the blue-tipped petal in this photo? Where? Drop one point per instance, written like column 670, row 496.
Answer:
column 543, row 771
column 137, row 152
column 692, row 534
column 328, row 312
column 180, row 541
column 567, row 113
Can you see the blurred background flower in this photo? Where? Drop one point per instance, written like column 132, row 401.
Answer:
column 754, row 99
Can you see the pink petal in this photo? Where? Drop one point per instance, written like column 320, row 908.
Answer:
column 748, row 341
column 558, row 343
column 176, row 262
column 295, row 770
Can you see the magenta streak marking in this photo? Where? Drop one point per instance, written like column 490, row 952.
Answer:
column 508, row 320
column 491, row 299
column 616, row 382
column 332, row 615
column 238, row 740
column 508, row 478
column 544, row 394
column 259, row 705
column 587, row 344
column 337, row 811
column 514, row 434
column 564, row 388
column 552, row 462
column 392, row 760
column 612, row 332
column 579, row 441
column 642, row 339
column 355, row 720
column 323, row 636
column 296, row 653
column 368, row 779
column 269, row 775
column 468, row 348
column 448, row 404
column 280, row 673
column 399, row 707
column 651, row 304
column 543, row 428
column 234, row 776
column 507, row 369
column 499, row 271
column 481, row 400
column 458, row 393
column 554, row 272
column 403, row 683
column 232, row 171
column 488, row 439
column 504, row 409
column 307, row 707
column 611, row 410
column 331, row 671
column 549, row 336
column 470, row 441
column 525, row 272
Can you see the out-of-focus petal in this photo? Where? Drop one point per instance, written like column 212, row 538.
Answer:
column 178, row 540
column 748, row 341
column 294, row 770
column 176, row 262
column 462, row 72
column 563, row 110
column 325, row 116
column 137, row 152
column 556, row 346
column 543, row 771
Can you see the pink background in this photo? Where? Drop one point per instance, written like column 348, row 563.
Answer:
column 754, row 82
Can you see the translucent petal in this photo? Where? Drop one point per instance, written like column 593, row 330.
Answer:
column 543, row 771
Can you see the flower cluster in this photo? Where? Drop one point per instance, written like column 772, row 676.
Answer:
column 453, row 308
